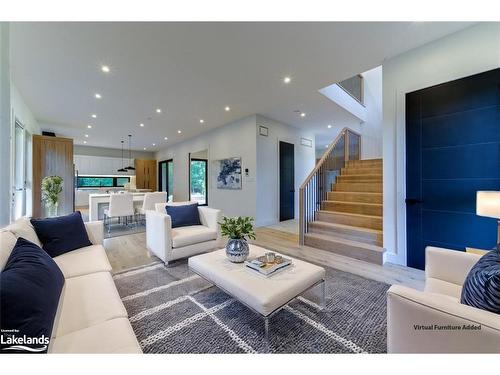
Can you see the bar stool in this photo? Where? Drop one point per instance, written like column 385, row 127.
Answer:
column 120, row 205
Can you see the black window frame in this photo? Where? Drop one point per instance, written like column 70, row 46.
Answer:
column 160, row 176
column 114, row 185
column 206, row 178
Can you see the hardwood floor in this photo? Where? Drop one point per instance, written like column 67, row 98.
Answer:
column 130, row 251
column 287, row 243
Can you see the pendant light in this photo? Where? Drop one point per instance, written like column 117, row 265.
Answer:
column 129, row 168
column 122, row 169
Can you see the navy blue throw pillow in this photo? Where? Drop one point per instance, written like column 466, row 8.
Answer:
column 481, row 288
column 61, row 234
column 184, row 215
column 30, row 287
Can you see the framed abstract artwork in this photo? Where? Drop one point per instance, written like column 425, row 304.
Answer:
column 228, row 172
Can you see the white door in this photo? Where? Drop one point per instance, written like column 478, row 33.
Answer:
column 19, row 182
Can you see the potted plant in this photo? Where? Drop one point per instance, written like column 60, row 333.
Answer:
column 51, row 187
column 238, row 230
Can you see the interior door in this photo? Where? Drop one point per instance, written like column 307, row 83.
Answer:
column 452, row 151
column 287, row 181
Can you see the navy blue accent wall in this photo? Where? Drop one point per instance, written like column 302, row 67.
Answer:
column 452, row 151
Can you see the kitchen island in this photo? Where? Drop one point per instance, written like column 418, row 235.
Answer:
column 99, row 202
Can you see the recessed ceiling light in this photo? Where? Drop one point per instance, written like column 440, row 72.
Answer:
column 141, row 125
column 166, row 138
column 94, row 115
column 85, row 142
column 302, row 114
column 329, row 126
column 201, row 121
column 89, row 126
column 86, row 135
column 105, row 68
column 154, row 144
column 158, row 110
column 144, row 148
column 287, row 80
column 98, row 96
column 179, row 131
column 227, row 109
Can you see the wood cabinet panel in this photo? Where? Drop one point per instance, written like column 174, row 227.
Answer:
column 145, row 174
column 53, row 156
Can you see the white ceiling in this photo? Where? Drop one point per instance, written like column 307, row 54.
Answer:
column 194, row 70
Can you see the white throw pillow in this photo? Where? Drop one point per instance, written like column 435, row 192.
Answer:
column 23, row 228
column 7, row 243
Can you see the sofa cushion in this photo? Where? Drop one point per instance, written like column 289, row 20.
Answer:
column 88, row 300
column 89, row 259
column 61, row 234
column 111, row 336
column 7, row 243
column 438, row 286
column 23, row 228
column 183, row 215
column 482, row 285
column 193, row 234
column 30, row 288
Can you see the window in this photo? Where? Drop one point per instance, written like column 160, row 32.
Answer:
column 121, row 181
column 97, row 182
column 166, row 178
column 198, row 179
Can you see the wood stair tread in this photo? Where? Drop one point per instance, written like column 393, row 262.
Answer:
column 354, row 203
column 326, row 224
column 363, row 175
column 350, row 214
column 347, row 242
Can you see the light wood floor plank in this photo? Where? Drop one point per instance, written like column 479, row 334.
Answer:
column 130, row 251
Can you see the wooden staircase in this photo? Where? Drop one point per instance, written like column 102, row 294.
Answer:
column 350, row 219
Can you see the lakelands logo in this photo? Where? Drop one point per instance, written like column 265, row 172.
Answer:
column 447, row 327
column 10, row 341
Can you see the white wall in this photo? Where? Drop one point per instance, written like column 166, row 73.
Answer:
column 471, row 51
column 22, row 113
column 268, row 167
column 371, row 129
column 5, row 125
column 231, row 140
column 338, row 95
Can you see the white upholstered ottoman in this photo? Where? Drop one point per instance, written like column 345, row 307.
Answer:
column 263, row 295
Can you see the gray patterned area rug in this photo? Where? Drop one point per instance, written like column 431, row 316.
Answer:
column 172, row 310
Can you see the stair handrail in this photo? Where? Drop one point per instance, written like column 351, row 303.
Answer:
column 311, row 192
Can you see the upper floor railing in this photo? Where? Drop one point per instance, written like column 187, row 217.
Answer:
column 314, row 190
column 354, row 87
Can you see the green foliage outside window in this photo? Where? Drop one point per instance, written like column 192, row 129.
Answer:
column 198, row 176
column 89, row 182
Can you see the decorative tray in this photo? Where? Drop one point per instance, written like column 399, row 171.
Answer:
column 268, row 267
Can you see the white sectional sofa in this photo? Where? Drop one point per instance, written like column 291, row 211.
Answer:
column 169, row 243
column 425, row 322
column 91, row 317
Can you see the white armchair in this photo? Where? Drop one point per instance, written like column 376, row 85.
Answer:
column 426, row 322
column 169, row 243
